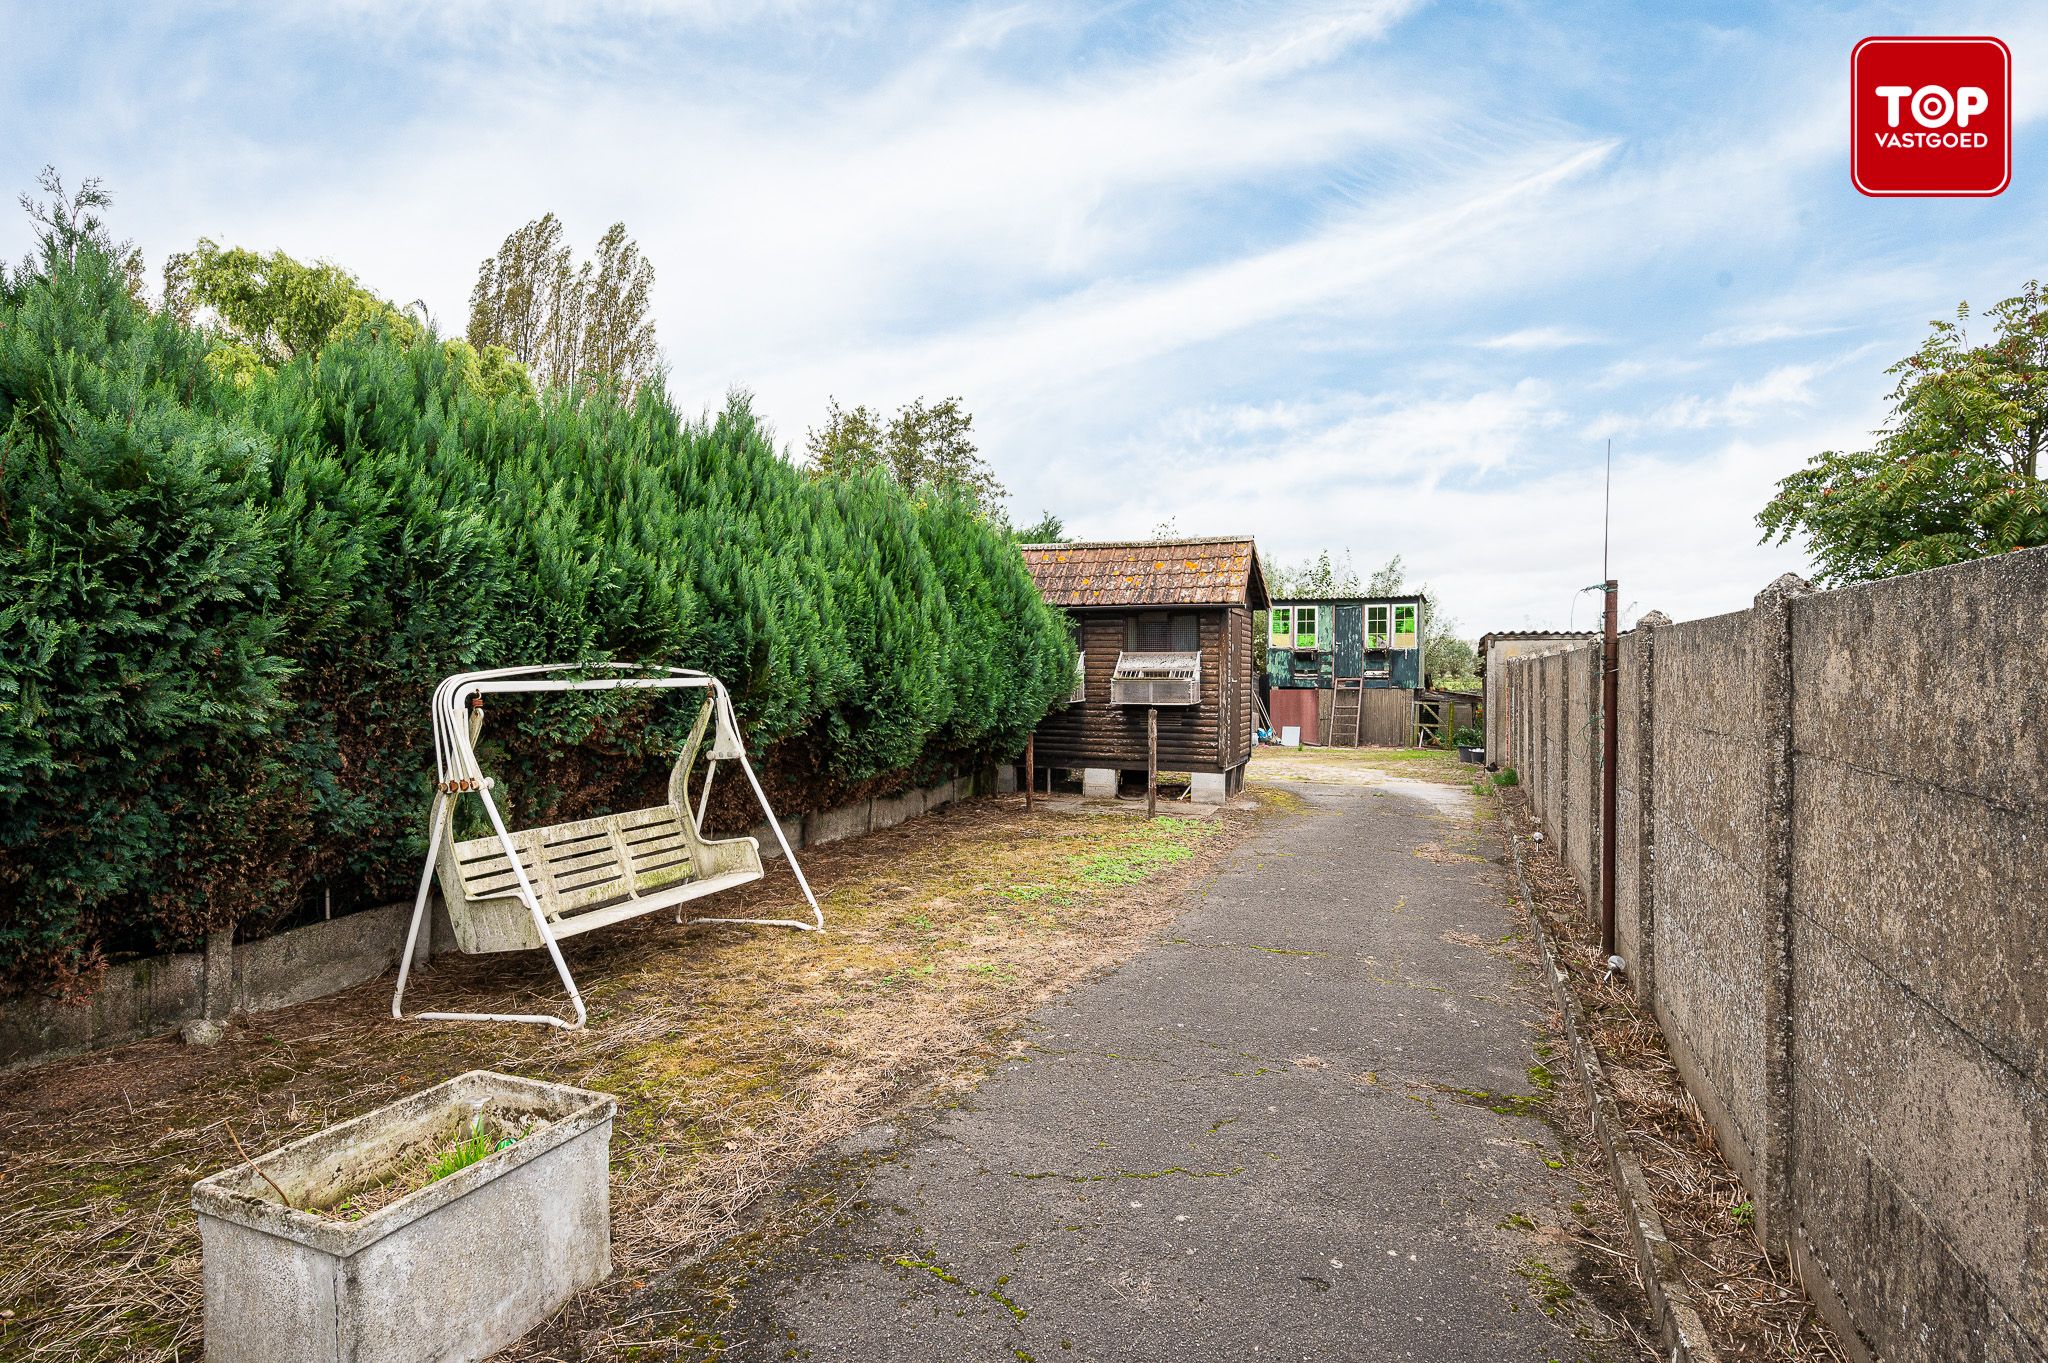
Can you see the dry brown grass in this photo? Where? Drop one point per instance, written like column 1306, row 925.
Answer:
column 736, row 1053
column 1752, row 1307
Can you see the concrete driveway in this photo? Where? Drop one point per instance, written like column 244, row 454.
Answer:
column 1306, row 1124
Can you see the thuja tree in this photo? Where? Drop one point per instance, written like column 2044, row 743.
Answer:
column 226, row 594
column 1956, row 471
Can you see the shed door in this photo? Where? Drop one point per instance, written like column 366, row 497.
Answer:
column 1350, row 637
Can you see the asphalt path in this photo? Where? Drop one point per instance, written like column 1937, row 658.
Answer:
column 1302, row 1125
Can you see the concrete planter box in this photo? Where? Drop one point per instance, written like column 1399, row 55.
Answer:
column 451, row 1272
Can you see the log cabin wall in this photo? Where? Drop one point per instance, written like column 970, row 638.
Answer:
column 1156, row 596
column 1094, row 733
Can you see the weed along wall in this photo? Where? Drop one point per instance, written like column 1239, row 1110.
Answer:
column 1832, row 886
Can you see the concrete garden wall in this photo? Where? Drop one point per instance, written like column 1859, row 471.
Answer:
column 160, row 994
column 1832, row 887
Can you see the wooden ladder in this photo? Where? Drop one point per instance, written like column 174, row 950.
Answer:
column 1355, row 688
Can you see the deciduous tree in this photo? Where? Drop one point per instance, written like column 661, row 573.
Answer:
column 569, row 324
column 923, row 445
column 1955, row 474
column 272, row 309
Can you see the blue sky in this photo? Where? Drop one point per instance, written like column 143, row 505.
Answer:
column 1375, row 277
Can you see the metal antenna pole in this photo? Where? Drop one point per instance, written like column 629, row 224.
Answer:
column 1610, row 722
column 1607, row 509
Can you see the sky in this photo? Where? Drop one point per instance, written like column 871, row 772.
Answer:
column 1377, row 278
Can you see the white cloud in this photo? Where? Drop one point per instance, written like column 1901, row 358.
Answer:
column 1762, row 333
column 1789, row 385
column 1742, row 404
column 1539, row 338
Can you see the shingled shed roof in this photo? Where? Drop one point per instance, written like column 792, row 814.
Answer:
column 1217, row 571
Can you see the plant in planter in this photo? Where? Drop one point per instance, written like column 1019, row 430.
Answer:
column 443, row 1226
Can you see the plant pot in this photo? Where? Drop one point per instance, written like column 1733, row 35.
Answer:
column 452, row 1272
column 1471, row 754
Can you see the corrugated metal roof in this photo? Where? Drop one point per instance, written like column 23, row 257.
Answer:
column 1219, row 571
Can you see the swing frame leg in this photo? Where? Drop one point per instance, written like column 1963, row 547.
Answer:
column 526, row 894
column 817, row 923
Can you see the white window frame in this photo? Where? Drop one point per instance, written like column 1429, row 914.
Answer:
column 1315, row 629
column 1280, row 613
column 1080, row 693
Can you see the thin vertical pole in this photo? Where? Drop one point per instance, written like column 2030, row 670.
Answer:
column 1610, row 766
column 1030, row 770
column 1151, row 762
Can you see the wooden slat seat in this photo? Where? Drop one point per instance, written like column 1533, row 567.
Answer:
column 588, row 873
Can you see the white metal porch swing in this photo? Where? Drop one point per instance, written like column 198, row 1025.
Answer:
column 513, row 891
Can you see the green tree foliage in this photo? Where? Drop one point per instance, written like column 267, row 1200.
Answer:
column 223, row 607
column 276, row 306
column 271, row 309
column 1325, row 575
column 68, row 221
column 925, row 445
column 1047, row 529
column 570, row 325
column 1955, row 474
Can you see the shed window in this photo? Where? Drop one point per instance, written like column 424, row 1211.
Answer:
column 1280, row 628
column 1404, row 627
column 1080, row 678
column 1305, row 622
column 1159, row 632
column 1375, row 626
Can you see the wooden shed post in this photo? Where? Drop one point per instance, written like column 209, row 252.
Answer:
column 1151, row 762
column 1030, row 770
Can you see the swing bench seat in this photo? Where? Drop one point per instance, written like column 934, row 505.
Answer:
column 515, row 890
column 587, row 874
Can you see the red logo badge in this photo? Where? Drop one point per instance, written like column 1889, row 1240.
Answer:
column 1930, row 117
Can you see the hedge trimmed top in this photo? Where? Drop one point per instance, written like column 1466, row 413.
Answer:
column 223, row 606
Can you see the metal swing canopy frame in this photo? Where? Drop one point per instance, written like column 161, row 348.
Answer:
column 511, row 891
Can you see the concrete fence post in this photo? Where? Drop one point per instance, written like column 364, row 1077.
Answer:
column 1771, row 619
column 1644, row 780
column 218, row 1000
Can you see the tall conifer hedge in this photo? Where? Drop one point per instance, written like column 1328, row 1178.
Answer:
column 223, row 609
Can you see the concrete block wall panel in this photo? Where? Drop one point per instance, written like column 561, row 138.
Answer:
column 890, row 810
column 1710, row 973
column 1942, row 671
column 1582, row 740
column 1630, row 805
column 135, row 999
column 1920, row 900
column 1713, row 944
column 318, row 959
column 1550, row 751
column 1919, row 1165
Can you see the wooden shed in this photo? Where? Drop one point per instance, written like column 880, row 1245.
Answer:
column 1162, row 625
column 1345, row 670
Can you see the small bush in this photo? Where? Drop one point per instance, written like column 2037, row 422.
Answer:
column 1506, row 777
